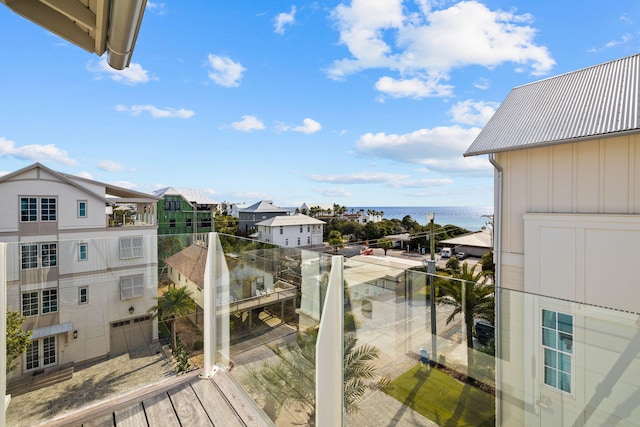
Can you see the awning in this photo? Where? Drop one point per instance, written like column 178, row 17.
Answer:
column 48, row 331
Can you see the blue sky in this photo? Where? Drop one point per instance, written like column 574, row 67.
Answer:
column 361, row 103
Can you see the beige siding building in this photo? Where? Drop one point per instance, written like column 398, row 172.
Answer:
column 567, row 157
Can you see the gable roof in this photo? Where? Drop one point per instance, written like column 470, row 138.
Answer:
column 263, row 206
column 123, row 194
column 191, row 262
column 600, row 100
column 289, row 220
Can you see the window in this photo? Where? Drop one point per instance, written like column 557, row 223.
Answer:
column 28, row 209
column 83, row 295
column 308, row 240
column 286, row 242
column 82, row 251
column 204, row 223
column 41, row 353
column 49, row 301
column 48, row 209
column 301, row 229
column 172, row 223
column 281, row 231
column 131, row 247
column 557, row 345
column 82, row 208
column 49, row 253
column 30, row 303
column 29, row 256
column 188, row 223
column 131, row 286
column 172, row 205
column 309, row 228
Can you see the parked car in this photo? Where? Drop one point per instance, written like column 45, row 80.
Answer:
column 461, row 255
column 484, row 331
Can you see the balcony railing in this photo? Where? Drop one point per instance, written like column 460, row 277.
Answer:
column 534, row 361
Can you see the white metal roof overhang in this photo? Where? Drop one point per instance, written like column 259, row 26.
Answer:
column 94, row 25
column 48, row 331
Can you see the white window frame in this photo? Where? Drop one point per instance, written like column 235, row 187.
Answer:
column 28, row 256
column 49, row 254
column 47, row 214
column 554, row 348
column 131, row 286
column 81, row 251
column 32, row 307
column 82, row 206
column 131, row 247
column 49, row 300
column 83, row 295
column 31, row 209
column 45, row 354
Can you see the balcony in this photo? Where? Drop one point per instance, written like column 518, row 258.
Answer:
column 558, row 362
column 131, row 215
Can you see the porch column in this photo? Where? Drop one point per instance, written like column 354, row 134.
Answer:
column 330, row 351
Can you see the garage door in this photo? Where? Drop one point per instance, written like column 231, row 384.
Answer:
column 131, row 334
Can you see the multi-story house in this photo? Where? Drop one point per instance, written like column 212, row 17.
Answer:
column 81, row 265
column 566, row 151
column 291, row 231
column 260, row 211
column 185, row 211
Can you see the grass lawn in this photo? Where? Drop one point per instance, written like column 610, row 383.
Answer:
column 443, row 399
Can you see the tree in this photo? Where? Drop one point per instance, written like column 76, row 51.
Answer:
column 335, row 240
column 453, row 264
column 174, row 302
column 386, row 244
column 469, row 294
column 290, row 381
column 18, row 340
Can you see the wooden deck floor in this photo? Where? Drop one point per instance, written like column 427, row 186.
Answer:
column 190, row 401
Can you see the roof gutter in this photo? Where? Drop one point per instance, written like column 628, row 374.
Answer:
column 125, row 17
column 497, row 260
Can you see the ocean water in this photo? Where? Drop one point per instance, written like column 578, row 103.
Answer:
column 469, row 217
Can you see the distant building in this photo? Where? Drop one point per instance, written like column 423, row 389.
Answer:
column 260, row 211
column 475, row 244
column 185, row 211
column 291, row 230
column 81, row 265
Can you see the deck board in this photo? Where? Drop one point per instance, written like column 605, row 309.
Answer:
column 188, row 407
column 160, row 411
column 246, row 408
column 131, row 416
column 216, row 405
column 104, row 421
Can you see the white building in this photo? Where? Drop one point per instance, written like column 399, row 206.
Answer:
column 291, row 231
column 82, row 271
column 567, row 156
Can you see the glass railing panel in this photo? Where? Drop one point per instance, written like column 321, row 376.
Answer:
column 86, row 303
column 433, row 379
column 275, row 303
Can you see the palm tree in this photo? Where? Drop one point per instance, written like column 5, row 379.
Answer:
column 469, row 294
column 290, row 381
column 174, row 302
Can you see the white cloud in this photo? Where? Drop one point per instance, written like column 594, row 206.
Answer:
column 35, row 152
column 308, row 126
column 111, row 166
column 248, row 124
column 415, row 88
column 439, row 149
column 333, row 192
column 283, row 19
column 156, row 7
column 155, row 112
column 132, row 75
column 394, row 180
column 84, row 174
column 224, row 71
column 473, row 112
column 482, row 84
column 420, row 47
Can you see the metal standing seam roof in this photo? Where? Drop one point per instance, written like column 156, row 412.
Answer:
column 584, row 104
column 287, row 220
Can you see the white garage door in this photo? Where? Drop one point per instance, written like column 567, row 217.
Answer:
column 131, row 334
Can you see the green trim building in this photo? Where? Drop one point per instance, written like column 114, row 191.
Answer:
column 183, row 211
